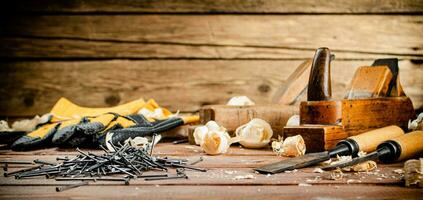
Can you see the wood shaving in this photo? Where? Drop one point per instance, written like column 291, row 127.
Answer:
column 304, row 185
column 399, row 171
column 364, row 166
column 4, row 126
column 277, row 147
column 241, row 177
column 361, row 167
column 216, row 142
column 318, row 170
column 349, row 181
column 416, row 124
column 291, row 171
column 201, row 131
column 212, row 138
column 255, row 134
column 292, row 146
column 240, row 101
column 316, row 179
column 337, row 174
column 413, row 173
column 230, row 172
column 294, row 120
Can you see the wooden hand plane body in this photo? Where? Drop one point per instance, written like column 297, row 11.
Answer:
column 374, row 99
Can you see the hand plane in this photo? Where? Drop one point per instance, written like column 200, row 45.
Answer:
column 374, row 99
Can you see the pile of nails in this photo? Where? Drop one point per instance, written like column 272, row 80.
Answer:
column 123, row 164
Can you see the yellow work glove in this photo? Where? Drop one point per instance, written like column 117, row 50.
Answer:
column 65, row 113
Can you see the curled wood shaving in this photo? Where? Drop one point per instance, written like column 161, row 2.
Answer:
column 4, row 126
column 293, row 146
column 240, row 101
column 216, row 142
column 201, row 131
column 365, row 166
column 413, row 173
column 416, row 124
column 294, row 120
column 337, row 174
column 254, row 134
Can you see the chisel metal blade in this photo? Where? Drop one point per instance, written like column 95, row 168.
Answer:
column 294, row 163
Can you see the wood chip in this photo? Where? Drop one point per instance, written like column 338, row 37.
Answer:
column 240, row 177
column 413, row 173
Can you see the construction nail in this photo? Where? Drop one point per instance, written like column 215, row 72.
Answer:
column 197, row 161
column 153, row 176
column 38, row 161
column 63, row 188
column 6, row 174
column 166, row 178
column 189, row 167
column 22, row 162
column 180, row 141
column 62, row 158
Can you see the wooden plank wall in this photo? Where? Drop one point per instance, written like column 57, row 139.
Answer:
column 188, row 53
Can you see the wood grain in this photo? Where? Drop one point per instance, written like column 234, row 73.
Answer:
column 218, row 182
column 250, row 35
column 30, row 88
column 216, row 6
column 213, row 192
column 75, row 49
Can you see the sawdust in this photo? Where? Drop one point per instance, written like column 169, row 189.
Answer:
column 364, row 166
column 337, row 174
column 316, row 179
column 350, row 181
column 304, row 185
column 230, row 172
column 241, row 177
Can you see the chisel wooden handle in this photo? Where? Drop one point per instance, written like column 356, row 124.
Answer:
column 369, row 141
column 408, row 145
column 319, row 84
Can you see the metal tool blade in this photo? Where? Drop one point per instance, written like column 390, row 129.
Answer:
column 370, row 156
column 294, row 163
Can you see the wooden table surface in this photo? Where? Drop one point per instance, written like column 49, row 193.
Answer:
column 218, row 183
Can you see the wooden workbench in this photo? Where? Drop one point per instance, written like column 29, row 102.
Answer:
column 218, row 182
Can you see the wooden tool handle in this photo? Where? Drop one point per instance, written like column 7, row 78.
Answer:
column 319, row 84
column 369, row 141
column 411, row 144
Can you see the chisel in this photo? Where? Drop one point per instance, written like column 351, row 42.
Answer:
column 397, row 149
column 366, row 142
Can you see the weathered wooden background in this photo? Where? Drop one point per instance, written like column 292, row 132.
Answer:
column 188, row 53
